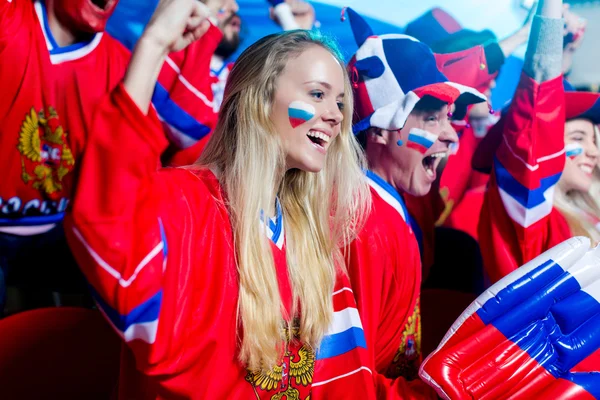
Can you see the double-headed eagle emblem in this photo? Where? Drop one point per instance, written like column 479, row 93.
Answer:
column 45, row 154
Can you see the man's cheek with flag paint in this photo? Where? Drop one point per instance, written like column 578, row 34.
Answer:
column 420, row 140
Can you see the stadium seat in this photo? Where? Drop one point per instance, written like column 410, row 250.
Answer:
column 58, row 353
column 439, row 310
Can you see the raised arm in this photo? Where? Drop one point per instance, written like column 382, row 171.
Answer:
column 127, row 214
column 174, row 26
column 515, row 219
column 182, row 96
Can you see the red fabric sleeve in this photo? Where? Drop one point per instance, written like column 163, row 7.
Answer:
column 188, row 112
column 385, row 261
column 118, row 228
column 518, row 221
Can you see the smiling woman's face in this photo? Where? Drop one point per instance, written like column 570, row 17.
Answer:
column 307, row 107
column 582, row 155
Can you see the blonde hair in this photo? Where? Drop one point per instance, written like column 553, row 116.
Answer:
column 577, row 206
column 322, row 211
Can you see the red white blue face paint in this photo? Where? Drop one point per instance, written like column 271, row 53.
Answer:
column 572, row 150
column 300, row 112
column 420, row 140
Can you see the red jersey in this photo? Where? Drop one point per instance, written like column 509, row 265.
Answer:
column 45, row 110
column 518, row 218
column 385, row 270
column 49, row 94
column 160, row 257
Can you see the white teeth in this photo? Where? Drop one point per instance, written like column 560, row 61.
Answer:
column 586, row 168
column 429, row 171
column 319, row 135
column 441, row 154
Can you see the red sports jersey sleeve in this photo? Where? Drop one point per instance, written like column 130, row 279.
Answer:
column 518, row 220
column 384, row 266
column 184, row 101
column 156, row 247
column 119, row 230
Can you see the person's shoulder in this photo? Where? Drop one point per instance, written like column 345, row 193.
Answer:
column 390, row 211
column 196, row 182
column 385, row 224
column 114, row 46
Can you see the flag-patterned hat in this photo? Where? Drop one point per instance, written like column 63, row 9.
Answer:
column 391, row 73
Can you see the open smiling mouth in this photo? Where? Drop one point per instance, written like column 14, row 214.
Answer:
column 101, row 4
column 318, row 138
column 587, row 169
column 431, row 162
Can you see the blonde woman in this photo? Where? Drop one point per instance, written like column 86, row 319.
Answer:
column 575, row 194
column 225, row 278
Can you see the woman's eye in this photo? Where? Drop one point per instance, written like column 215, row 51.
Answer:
column 317, row 95
column 340, row 106
column 431, row 118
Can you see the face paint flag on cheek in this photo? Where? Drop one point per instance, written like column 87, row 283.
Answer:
column 572, row 150
column 300, row 112
column 420, row 140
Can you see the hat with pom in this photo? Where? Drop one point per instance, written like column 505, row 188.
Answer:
column 391, row 73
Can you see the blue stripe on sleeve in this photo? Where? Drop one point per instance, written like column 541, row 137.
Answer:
column 528, row 198
column 340, row 343
column 163, row 237
column 146, row 312
column 176, row 116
